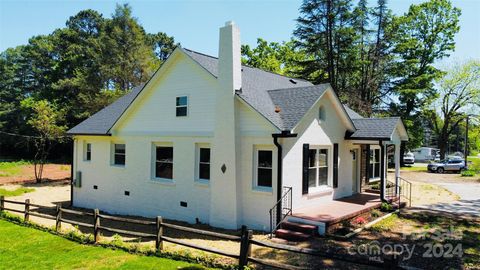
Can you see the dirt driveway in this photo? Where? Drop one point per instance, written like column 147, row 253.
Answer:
column 51, row 172
column 435, row 178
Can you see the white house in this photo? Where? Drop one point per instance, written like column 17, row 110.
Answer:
column 209, row 140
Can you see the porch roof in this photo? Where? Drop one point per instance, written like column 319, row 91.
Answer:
column 375, row 129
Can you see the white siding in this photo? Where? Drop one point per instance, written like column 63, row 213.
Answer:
column 155, row 113
column 324, row 133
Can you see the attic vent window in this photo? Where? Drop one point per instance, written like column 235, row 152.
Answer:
column 293, row 81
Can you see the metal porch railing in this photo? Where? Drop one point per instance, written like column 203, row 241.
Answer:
column 280, row 210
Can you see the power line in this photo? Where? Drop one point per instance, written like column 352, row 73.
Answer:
column 26, row 136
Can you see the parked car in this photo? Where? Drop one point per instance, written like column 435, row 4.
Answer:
column 454, row 165
column 409, row 158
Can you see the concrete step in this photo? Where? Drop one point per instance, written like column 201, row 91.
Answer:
column 292, row 235
column 299, row 227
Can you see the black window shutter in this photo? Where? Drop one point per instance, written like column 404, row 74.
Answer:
column 335, row 165
column 306, row 148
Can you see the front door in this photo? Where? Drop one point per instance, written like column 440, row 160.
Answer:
column 355, row 165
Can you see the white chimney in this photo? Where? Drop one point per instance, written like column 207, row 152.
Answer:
column 229, row 61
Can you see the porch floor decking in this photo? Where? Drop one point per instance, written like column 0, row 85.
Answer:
column 340, row 209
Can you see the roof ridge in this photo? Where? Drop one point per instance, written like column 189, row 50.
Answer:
column 296, row 88
column 382, row 118
column 243, row 65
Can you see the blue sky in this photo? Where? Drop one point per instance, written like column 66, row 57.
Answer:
column 195, row 23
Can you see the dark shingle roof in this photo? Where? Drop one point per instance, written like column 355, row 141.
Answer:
column 351, row 113
column 295, row 102
column 263, row 91
column 101, row 122
column 255, row 86
column 374, row 128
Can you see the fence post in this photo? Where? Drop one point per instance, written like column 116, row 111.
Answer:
column 58, row 222
column 27, row 210
column 159, row 242
column 96, row 225
column 244, row 247
column 2, row 203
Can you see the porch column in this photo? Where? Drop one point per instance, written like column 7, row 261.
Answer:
column 382, row 170
column 397, row 167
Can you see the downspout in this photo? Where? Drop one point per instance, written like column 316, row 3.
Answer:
column 71, row 171
column 284, row 134
column 382, row 170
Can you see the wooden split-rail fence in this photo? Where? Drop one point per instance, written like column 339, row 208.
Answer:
column 244, row 239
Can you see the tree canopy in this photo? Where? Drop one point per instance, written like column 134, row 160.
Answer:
column 80, row 68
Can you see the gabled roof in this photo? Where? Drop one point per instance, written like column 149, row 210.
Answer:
column 295, row 102
column 351, row 113
column 263, row 91
column 374, row 128
column 101, row 122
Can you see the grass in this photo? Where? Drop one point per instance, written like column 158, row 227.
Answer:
column 401, row 228
column 28, row 248
column 386, row 224
column 414, row 169
column 12, row 168
column 15, row 192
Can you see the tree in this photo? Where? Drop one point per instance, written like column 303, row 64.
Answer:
column 127, row 56
column 80, row 68
column 325, row 33
column 423, row 35
column 459, row 94
column 349, row 47
column 281, row 58
column 45, row 119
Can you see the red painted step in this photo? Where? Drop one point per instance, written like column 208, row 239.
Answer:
column 292, row 235
column 299, row 227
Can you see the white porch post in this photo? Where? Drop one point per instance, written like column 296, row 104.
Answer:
column 397, row 166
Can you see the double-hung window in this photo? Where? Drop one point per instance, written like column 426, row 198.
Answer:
column 374, row 167
column 182, row 106
column 264, row 168
column 317, row 167
column 203, row 163
column 164, row 162
column 88, row 152
column 119, row 153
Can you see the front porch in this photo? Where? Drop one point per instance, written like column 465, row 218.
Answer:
column 335, row 211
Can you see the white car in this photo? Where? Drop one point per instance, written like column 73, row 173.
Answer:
column 409, row 158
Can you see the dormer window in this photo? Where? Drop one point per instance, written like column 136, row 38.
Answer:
column 182, row 106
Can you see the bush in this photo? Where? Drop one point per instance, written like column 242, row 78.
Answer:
column 386, row 207
column 375, row 213
column 468, row 173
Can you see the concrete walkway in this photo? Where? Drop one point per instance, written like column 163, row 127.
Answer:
column 469, row 203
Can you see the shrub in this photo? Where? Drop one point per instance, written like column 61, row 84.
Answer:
column 375, row 213
column 386, row 207
column 468, row 173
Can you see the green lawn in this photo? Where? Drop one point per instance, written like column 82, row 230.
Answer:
column 28, row 248
column 16, row 192
column 12, row 168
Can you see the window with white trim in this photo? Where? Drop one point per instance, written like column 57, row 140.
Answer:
column 263, row 168
column 87, row 155
column 317, row 167
column 203, row 163
column 182, row 106
column 119, row 154
column 164, row 162
column 374, row 166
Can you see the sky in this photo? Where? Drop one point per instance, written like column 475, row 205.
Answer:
column 195, row 23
